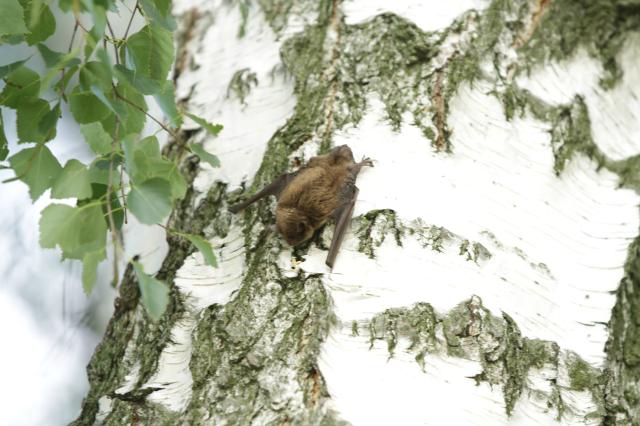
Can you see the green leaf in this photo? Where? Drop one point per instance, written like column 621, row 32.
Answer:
column 214, row 129
column 145, row 85
column 99, row 174
column 55, row 62
column 110, row 102
column 76, row 230
column 134, row 123
column 178, row 183
column 134, row 120
column 129, row 149
column 90, row 44
column 149, row 146
column 159, row 13
column 205, row 248
column 99, row 20
column 204, row 155
column 147, row 168
column 166, row 99
column 4, row 144
column 28, row 116
column 150, row 201
column 163, row 6
column 144, row 161
column 99, row 191
column 22, row 84
column 12, row 18
column 40, row 21
column 151, row 50
column 37, row 167
column 86, row 107
column 107, row 5
column 95, row 73
column 73, row 182
column 137, row 154
column 9, row 68
column 47, row 126
column 90, row 262
column 61, row 85
column 99, row 140
column 65, row 5
column 49, row 56
column 13, row 39
column 155, row 293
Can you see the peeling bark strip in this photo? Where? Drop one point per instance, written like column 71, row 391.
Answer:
column 251, row 342
column 536, row 16
column 441, row 141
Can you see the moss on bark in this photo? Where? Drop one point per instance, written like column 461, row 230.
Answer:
column 470, row 331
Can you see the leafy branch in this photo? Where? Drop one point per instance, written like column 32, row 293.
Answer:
column 108, row 101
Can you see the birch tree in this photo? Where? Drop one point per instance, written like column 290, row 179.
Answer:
column 490, row 273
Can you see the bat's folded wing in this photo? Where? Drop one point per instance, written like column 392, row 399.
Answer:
column 342, row 216
column 274, row 188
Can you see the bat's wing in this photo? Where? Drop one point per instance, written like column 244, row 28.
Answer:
column 342, row 216
column 274, row 188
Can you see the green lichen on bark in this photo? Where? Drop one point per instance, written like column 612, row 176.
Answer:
column 600, row 26
column 582, row 375
column 470, row 331
column 375, row 226
column 622, row 394
column 418, row 323
column 387, row 55
column 373, row 229
column 127, row 409
column 570, row 129
column 432, row 236
column 241, row 83
column 571, row 133
column 254, row 359
column 474, row 251
column 278, row 12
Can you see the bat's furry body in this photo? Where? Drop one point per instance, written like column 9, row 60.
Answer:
column 322, row 189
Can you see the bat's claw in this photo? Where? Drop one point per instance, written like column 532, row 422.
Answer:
column 366, row 161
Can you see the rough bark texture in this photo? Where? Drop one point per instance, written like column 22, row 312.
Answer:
column 242, row 344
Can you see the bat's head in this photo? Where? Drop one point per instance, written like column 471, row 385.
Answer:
column 342, row 154
column 293, row 224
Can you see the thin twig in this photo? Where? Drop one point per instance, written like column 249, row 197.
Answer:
column 126, row 33
column 165, row 128
column 114, row 232
column 124, row 204
column 73, row 37
column 113, row 37
column 80, row 24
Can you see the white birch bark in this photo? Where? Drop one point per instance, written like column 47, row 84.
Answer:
column 489, row 244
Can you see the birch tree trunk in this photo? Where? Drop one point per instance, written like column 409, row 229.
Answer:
column 491, row 274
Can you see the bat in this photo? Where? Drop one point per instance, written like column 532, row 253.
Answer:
column 323, row 189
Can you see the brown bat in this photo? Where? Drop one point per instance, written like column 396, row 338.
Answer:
column 323, row 189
